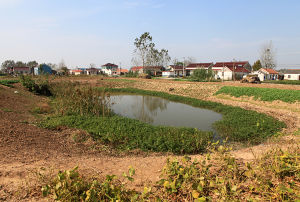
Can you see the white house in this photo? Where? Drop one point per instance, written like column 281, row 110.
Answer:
column 109, row 68
column 266, row 74
column 230, row 70
column 292, row 74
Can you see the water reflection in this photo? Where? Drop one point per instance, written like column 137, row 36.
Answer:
column 159, row 111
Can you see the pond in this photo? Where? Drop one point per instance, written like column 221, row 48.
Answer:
column 159, row 111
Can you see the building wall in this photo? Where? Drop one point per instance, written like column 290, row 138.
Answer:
column 167, row 74
column 291, row 76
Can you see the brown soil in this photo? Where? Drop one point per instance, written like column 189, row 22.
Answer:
column 25, row 148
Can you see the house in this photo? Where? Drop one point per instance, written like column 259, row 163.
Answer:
column 266, row 74
column 193, row 66
column 20, row 70
column 109, row 68
column 174, row 70
column 91, row 71
column 119, row 72
column 231, row 70
column 76, row 71
column 292, row 74
column 155, row 70
column 42, row 69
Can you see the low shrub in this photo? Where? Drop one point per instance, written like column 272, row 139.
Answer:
column 39, row 86
column 70, row 186
column 73, row 98
column 264, row 94
column 132, row 74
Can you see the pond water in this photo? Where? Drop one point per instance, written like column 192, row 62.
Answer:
column 159, row 111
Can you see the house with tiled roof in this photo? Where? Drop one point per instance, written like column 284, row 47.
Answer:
column 155, row 70
column 76, row 71
column 20, row 70
column 292, row 74
column 119, row 72
column 109, row 68
column 193, row 66
column 231, row 70
column 266, row 74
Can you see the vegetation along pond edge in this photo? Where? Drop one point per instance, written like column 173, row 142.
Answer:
column 237, row 125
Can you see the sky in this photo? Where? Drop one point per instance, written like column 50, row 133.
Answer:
column 82, row 32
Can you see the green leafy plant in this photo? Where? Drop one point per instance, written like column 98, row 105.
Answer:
column 264, row 94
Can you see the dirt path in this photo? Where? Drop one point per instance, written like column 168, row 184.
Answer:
column 25, row 148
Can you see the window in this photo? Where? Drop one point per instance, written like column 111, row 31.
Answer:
column 289, row 76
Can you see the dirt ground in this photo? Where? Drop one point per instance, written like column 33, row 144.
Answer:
column 25, row 148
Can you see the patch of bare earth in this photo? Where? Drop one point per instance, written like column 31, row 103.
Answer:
column 25, row 148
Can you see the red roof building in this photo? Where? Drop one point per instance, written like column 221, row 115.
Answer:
column 199, row 65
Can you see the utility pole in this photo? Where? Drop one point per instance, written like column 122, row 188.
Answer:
column 223, row 73
column 183, row 67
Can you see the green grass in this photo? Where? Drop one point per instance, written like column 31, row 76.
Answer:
column 8, row 82
column 264, row 94
column 128, row 134
column 289, row 82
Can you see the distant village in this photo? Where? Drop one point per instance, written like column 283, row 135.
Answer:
column 222, row 70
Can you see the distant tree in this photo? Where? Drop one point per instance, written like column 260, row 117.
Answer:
column 32, row 64
column 143, row 46
column 53, row 66
column 92, row 65
column 20, row 64
column 202, row 75
column 63, row 67
column 8, row 64
column 62, row 64
column 257, row 65
column 267, row 56
column 188, row 61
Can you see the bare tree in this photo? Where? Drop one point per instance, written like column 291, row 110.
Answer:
column 267, row 56
column 143, row 45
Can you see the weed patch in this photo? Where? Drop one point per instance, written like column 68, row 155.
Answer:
column 264, row 94
column 128, row 134
column 217, row 176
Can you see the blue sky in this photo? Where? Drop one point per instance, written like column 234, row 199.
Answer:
column 100, row 31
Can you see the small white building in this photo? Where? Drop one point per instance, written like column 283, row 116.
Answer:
column 292, row 74
column 230, row 70
column 168, row 74
column 76, row 72
column 266, row 74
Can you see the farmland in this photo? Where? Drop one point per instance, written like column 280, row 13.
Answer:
column 71, row 140
column 263, row 94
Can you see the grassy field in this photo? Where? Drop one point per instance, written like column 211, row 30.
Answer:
column 264, row 94
column 288, row 82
